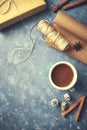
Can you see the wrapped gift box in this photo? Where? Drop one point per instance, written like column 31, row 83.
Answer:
column 12, row 11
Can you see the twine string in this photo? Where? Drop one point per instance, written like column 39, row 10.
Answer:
column 16, row 50
column 54, row 36
column 8, row 6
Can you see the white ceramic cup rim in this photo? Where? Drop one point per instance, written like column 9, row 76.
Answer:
column 73, row 80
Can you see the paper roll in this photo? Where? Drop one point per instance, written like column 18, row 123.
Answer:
column 70, row 24
column 73, row 31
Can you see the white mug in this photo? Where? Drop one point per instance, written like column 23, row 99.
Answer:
column 63, row 75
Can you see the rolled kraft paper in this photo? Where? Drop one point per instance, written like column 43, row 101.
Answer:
column 79, row 55
column 70, row 24
column 72, row 38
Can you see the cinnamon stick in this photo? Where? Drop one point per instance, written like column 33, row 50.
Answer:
column 74, row 4
column 73, row 106
column 80, row 109
column 59, row 5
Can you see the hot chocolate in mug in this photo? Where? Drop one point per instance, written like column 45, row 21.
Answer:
column 63, row 75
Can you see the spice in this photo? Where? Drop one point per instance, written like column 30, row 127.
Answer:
column 54, row 102
column 59, row 5
column 77, row 46
column 74, row 4
column 79, row 102
column 67, row 96
column 80, row 108
column 63, row 106
column 68, row 6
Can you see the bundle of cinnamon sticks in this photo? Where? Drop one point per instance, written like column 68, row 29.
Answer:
column 79, row 103
column 68, row 6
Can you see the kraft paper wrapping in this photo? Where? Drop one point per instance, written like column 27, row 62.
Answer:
column 73, row 31
column 18, row 10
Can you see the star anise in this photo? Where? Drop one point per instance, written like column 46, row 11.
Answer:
column 77, row 46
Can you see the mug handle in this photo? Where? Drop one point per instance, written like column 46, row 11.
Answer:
column 72, row 89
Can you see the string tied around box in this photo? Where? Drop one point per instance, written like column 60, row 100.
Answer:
column 7, row 4
column 54, row 36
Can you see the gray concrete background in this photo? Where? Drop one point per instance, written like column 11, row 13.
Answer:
column 25, row 90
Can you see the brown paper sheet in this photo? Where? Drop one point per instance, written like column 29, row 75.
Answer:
column 73, row 31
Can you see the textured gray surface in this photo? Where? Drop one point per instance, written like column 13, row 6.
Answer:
column 25, row 90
